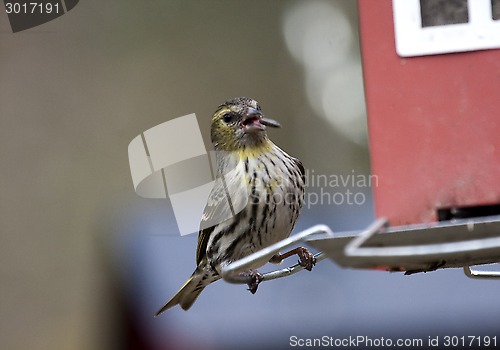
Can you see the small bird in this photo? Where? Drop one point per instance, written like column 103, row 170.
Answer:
column 274, row 182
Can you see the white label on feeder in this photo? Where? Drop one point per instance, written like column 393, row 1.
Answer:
column 427, row 27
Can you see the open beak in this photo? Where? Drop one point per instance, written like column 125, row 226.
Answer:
column 270, row 122
column 255, row 119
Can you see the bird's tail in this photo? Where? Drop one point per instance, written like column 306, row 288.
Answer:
column 188, row 293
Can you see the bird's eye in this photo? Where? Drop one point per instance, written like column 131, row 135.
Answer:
column 229, row 118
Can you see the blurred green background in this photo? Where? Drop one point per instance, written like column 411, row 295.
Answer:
column 85, row 262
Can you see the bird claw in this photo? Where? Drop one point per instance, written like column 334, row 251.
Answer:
column 433, row 267
column 256, row 278
column 306, row 258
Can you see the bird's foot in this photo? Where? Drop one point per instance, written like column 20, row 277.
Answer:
column 256, row 278
column 433, row 267
column 306, row 258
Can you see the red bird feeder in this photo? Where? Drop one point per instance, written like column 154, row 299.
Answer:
column 434, row 120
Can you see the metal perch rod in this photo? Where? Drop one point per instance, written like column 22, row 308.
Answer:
column 354, row 249
column 230, row 273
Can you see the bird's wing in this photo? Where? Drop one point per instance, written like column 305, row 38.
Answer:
column 227, row 198
column 301, row 168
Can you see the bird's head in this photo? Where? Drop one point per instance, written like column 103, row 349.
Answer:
column 239, row 124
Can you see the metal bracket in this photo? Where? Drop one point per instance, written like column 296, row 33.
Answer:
column 353, row 248
column 412, row 248
column 476, row 274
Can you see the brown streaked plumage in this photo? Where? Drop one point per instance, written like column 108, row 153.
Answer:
column 248, row 162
